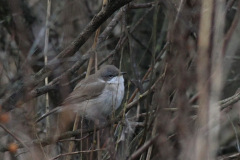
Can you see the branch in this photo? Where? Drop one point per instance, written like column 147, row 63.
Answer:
column 49, row 140
column 9, row 103
column 72, row 153
column 143, row 148
column 141, row 5
column 53, row 84
column 17, row 139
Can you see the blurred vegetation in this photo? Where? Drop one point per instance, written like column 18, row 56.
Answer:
column 181, row 87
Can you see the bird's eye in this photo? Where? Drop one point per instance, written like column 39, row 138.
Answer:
column 110, row 76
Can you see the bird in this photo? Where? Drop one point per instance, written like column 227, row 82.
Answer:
column 95, row 97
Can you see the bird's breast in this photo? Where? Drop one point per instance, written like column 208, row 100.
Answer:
column 103, row 105
column 113, row 94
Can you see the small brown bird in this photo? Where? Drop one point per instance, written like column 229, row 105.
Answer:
column 95, row 97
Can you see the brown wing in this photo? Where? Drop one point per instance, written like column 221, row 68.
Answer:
column 84, row 91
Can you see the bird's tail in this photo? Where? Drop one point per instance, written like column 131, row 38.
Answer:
column 57, row 109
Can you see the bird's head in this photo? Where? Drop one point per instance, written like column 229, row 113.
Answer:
column 110, row 74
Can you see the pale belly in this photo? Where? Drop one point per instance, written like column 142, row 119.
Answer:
column 102, row 106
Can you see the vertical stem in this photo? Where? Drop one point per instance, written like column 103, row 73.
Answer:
column 96, row 68
column 154, row 40
column 45, row 62
column 203, row 76
column 216, row 79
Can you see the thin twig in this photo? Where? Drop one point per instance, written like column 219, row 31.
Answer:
column 141, row 5
column 235, row 131
column 147, row 73
column 72, row 153
column 46, row 62
column 17, row 139
column 231, row 30
column 143, row 148
column 229, row 5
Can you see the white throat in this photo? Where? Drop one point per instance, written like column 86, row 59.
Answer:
column 118, row 79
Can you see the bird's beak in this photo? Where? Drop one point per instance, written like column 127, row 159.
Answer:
column 122, row 73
